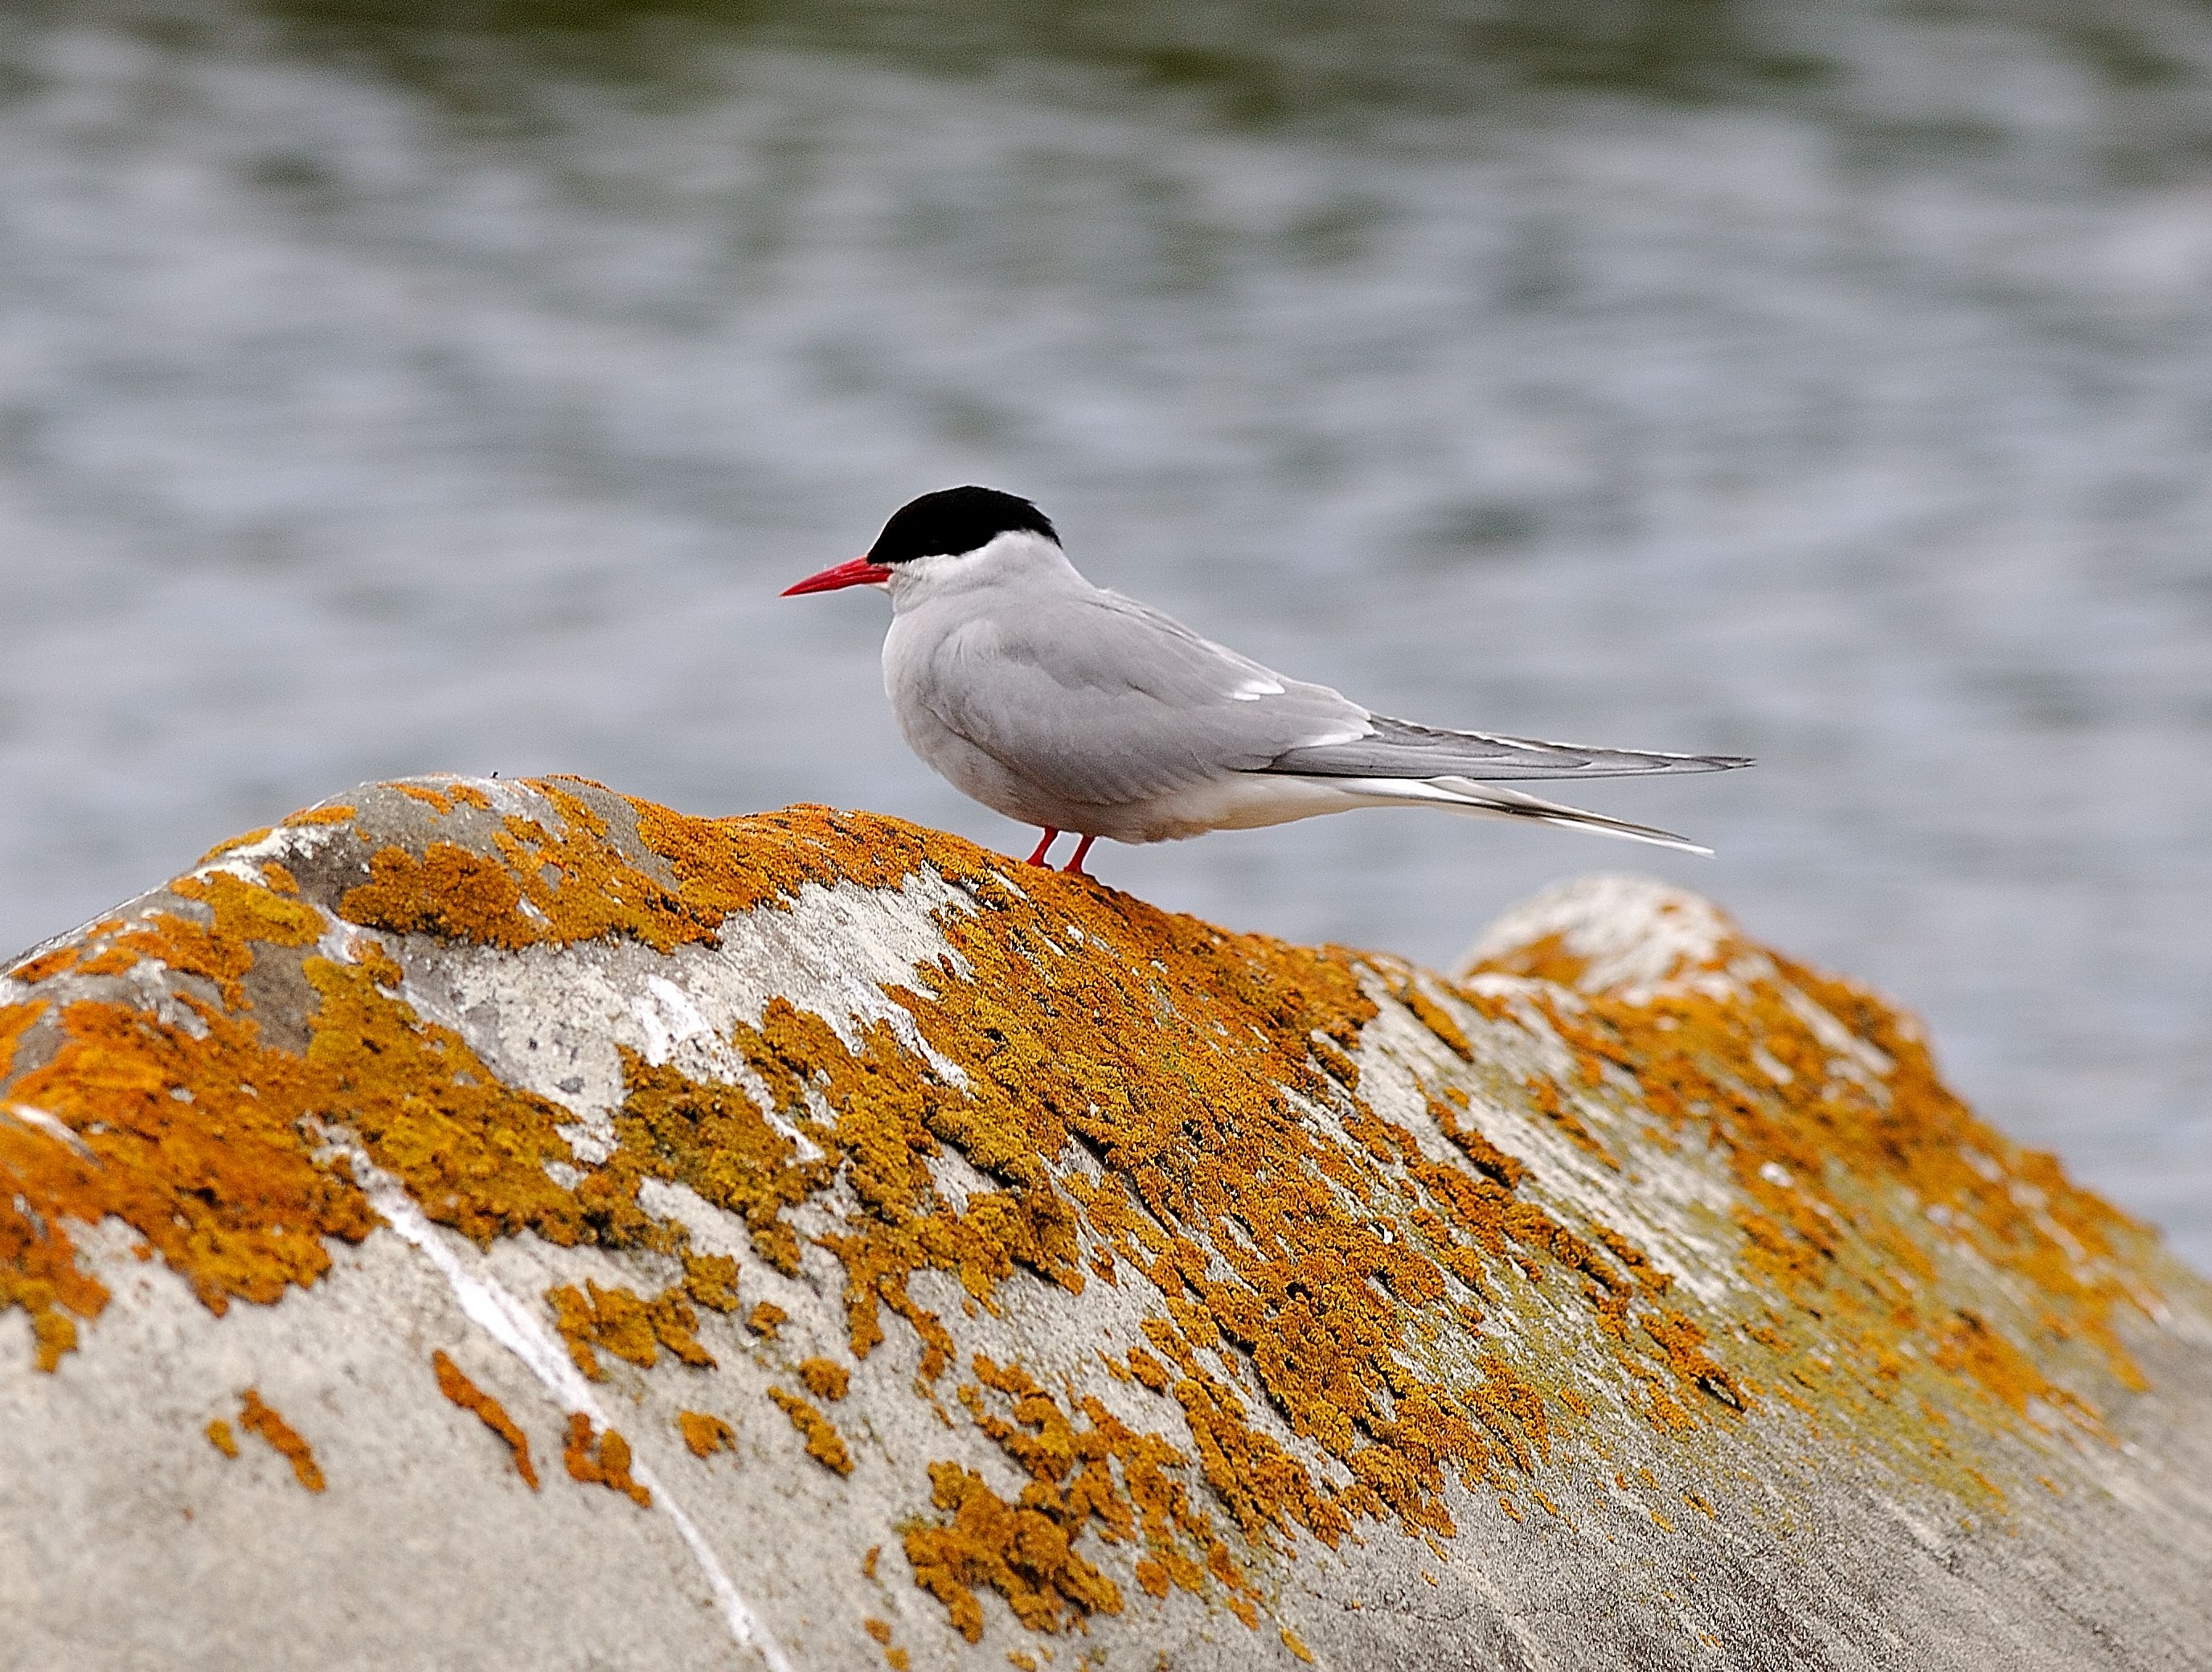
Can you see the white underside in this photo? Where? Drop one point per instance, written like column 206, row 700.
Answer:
column 1248, row 800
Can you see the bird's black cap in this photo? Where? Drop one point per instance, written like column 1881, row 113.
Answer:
column 954, row 520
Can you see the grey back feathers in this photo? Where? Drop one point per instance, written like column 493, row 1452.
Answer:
column 1097, row 698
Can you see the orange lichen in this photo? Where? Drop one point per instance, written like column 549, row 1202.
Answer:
column 704, row 1434
column 766, row 1319
column 712, row 1280
column 897, row 1659
column 825, row 1378
column 1020, row 1551
column 1969, row 1348
column 1545, row 1098
column 630, row 1328
column 714, row 1139
column 601, row 1460
column 219, row 951
column 1088, row 1472
column 1684, row 1344
column 824, row 1443
column 1846, row 1158
column 286, row 1440
column 34, row 970
column 191, row 1142
column 236, row 842
column 470, row 1398
column 1145, row 1096
column 562, row 881
column 427, row 795
column 450, row 892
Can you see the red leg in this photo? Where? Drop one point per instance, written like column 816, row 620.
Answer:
column 1043, row 849
column 1074, row 866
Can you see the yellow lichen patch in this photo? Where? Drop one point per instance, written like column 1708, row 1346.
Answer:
column 1088, row 1472
column 208, row 1143
column 601, row 1460
column 1861, row 1182
column 1970, row 1348
column 268, row 911
column 824, row 1443
column 714, row 1139
column 712, row 1280
column 32, row 971
column 435, row 799
column 561, row 881
column 767, row 1318
column 234, row 843
column 705, row 1435
column 1684, row 1344
column 1406, row 988
column 897, row 1659
column 471, row 1150
column 220, row 1437
column 487, row 1410
column 825, row 1378
column 630, row 1328
column 191, row 1142
column 1019, row 1551
column 1546, row 1096
column 221, row 951
column 450, row 892
column 286, row 1442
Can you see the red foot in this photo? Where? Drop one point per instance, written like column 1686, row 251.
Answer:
column 1044, row 847
column 1074, row 866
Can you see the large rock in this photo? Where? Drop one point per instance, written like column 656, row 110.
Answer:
column 506, row 1226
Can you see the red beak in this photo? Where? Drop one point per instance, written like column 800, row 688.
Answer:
column 859, row 572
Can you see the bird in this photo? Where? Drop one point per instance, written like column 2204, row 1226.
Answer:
column 1072, row 708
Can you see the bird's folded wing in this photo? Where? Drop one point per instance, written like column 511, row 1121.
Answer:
column 1100, row 700
column 1400, row 749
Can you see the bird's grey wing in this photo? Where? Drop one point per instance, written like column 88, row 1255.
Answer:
column 1400, row 749
column 1100, row 700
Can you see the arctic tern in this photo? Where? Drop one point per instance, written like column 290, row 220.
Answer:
column 1074, row 709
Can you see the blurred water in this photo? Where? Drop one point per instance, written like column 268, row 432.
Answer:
column 1828, row 384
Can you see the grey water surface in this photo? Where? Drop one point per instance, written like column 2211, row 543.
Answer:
column 1832, row 384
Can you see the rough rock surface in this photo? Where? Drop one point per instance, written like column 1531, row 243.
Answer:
column 490, row 1225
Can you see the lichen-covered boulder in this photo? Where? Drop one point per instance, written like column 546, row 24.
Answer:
column 489, row 1225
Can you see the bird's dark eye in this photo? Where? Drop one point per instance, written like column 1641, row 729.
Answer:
column 956, row 520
